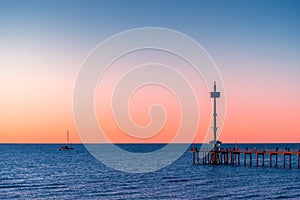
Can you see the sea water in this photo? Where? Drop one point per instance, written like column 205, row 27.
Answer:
column 41, row 171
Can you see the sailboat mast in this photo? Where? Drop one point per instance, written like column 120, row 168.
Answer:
column 67, row 137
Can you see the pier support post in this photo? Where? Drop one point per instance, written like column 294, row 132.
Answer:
column 215, row 158
column 263, row 159
column 193, row 157
column 250, row 159
column 283, row 160
column 238, row 158
column 208, row 157
column 256, row 159
column 276, row 160
column 221, row 158
column 270, row 160
column 245, row 159
column 226, row 158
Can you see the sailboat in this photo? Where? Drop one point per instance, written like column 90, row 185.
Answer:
column 68, row 144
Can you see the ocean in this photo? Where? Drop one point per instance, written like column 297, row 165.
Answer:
column 41, row 171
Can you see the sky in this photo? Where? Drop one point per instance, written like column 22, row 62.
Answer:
column 255, row 45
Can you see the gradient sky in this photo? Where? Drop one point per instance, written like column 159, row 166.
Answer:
column 255, row 44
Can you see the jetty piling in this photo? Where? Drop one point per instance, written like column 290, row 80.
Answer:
column 233, row 157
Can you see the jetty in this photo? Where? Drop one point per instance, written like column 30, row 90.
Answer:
column 215, row 154
column 250, row 157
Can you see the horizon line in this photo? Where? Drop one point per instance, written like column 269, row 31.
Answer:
column 76, row 143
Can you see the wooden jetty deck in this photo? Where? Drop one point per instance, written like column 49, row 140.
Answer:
column 233, row 157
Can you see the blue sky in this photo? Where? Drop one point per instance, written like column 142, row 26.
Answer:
column 261, row 26
column 246, row 32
